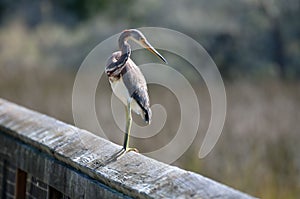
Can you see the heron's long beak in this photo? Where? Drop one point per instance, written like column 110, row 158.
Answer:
column 148, row 46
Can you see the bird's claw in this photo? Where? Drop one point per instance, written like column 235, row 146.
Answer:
column 132, row 149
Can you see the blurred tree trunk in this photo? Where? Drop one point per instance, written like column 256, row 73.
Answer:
column 46, row 10
column 278, row 52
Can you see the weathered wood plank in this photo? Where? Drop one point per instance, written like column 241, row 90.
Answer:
column 61, row 178
column 133, row 174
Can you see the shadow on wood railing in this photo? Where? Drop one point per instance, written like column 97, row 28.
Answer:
column 41, row 157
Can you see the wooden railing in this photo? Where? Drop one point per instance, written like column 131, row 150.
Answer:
column 41, row 157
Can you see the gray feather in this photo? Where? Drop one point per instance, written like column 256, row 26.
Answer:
column 136, row 84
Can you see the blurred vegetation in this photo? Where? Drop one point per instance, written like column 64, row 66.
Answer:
column 267, row 31
column 255, row 44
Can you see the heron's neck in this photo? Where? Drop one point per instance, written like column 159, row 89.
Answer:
column 125, row 49
column 115, row 68
column 123, row 43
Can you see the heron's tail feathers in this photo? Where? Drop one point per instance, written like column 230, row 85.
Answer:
column 147, row 115
column 142, row 99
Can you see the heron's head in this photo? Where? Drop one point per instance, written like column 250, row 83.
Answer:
column 138, row 37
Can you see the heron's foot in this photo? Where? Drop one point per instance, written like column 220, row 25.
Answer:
column 132, row 149
column 115, row 156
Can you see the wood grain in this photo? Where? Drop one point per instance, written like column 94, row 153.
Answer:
column 133, row 174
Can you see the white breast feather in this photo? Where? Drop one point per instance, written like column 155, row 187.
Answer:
column 121, row 92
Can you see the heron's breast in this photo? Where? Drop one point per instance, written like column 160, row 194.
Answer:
column 120, row 90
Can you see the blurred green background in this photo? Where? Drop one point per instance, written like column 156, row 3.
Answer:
column 255, row 44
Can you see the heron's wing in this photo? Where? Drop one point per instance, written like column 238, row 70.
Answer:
column 133, row 77
column 116, row 61
column 135, row 82
column 142, row 99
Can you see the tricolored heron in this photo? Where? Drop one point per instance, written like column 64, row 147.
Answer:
column 127, row 81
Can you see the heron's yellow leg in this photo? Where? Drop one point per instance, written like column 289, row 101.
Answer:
column 128, row 129
column 128, row 126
